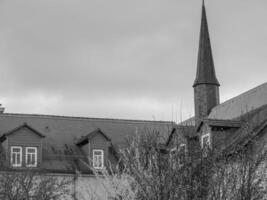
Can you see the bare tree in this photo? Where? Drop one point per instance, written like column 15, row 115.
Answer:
column 158, row 173
column 32, row 184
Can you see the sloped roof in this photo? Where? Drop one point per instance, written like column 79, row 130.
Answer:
column 85, row 139
column 253, row 124
column 235, row 110
column 62, row 132
column 241, row 104
column 188, row 122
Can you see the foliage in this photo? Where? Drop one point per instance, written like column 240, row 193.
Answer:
column 31, row 185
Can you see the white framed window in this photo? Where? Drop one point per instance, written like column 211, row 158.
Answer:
column 31, row 156
column 16, row 156
column 98, row 158
column 205, row 143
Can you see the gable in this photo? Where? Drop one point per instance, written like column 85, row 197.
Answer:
column 24, row 135
column 181, row 133
column 98, row 138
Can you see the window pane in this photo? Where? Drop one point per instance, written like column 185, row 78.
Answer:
column 18, row 159
column 31, row 150
column 16, row 149
column 28, row 158
column 33, row 160
column 13, row 158
column 98, row 152
column 100, row 164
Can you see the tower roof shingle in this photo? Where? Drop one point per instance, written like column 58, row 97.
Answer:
column 205, row 65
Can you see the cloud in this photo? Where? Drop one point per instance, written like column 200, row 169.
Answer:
column 121, row 58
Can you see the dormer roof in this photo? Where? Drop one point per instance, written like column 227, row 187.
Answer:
column 14, row 130
column 84, row 139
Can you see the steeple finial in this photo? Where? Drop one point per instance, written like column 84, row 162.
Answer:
column 205, row 66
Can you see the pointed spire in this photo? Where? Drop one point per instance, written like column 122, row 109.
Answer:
column 205, row 66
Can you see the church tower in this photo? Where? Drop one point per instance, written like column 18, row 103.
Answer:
column 206, row 85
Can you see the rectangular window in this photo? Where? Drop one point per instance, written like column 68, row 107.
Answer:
column 31, row 156
column 16, row 156
column 205, row 144
column 178, row 156
column 182, row 154
column 98, row 159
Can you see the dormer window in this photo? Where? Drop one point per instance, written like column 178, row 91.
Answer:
column 24, row 146
column 179, row 155
column 31, row 156
column 182, row 154
column 98, row 158
column 205, row 143
column 16, row 156
column 96, row 145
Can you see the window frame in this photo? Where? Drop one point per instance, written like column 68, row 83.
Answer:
column 35, row 155
column 208, row 148
column 209, row 140
column 184, row 154
column 177, row 151
column 11, row 156
column 101, row 157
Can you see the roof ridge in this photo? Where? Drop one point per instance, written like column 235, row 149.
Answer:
column 83, row 118
column 242, row 94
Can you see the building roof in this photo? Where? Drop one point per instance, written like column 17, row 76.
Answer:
column 241, row 104
column 205, row 65
column 248, row 107
column 236, row 107
column 62, row 133
column 254, row 123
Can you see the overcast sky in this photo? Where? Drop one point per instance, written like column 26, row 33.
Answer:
column 133, row 59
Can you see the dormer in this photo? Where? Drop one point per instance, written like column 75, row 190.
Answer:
column 96, row 146
column 214, row 133
column 23, row 146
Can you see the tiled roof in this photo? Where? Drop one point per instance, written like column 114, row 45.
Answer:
column 61, row 133
column 241, row 104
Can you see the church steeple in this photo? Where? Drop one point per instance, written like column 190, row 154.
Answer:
column 205, row 66
column 206, row 85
